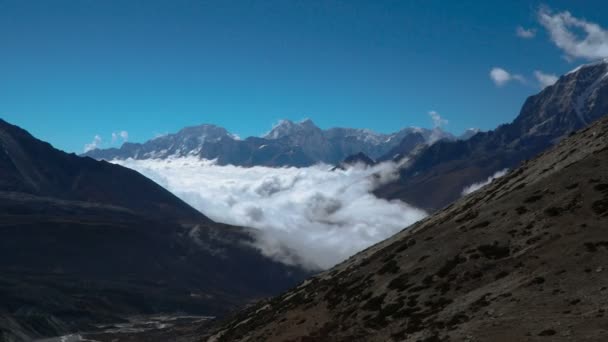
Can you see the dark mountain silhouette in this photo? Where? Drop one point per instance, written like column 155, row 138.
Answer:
column 84, row 242
column 34, row 167
column 355, row 159
column 523, row 258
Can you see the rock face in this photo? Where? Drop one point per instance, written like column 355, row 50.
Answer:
column 84, row 242
column 356, row 159
column 287, row 144
column 469, row 133
column 523, row 258
column 436, row 175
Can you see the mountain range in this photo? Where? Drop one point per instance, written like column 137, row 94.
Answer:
column 439, row 166
column 287, row 144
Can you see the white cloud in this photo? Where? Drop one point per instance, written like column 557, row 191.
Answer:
column 525, row 33
column 545, row 80
column 122, row 135
column 93, row 144
column 501, row 77
column 565, row 31
column 323, row 216
column 476, row 186
column 438, row 121
column 438, row 124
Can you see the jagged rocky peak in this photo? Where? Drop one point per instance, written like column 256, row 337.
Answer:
column 575, row 100
column 289, row 143
column 289, row 128
column 359, row 158
column 355, row 159
column 205, row 132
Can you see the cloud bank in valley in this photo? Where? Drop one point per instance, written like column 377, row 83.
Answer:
column 323, row 216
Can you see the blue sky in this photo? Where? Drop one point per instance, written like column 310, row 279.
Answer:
column 70, row 70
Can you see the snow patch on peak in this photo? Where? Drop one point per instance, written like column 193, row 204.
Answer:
column 582, row 66
column 287, row 127
column 581, row 100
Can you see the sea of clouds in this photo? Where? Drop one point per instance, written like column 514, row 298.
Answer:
column 322, row 216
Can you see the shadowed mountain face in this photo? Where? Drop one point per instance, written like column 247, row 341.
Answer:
column 436, row 175
column 356, row 159
column 287, row 144
column 524, row 258
column 31, row 166
column 84, row 242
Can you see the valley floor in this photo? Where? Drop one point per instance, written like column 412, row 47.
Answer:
column 142, row 328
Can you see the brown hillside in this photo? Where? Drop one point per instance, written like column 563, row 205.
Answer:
column 523, row 259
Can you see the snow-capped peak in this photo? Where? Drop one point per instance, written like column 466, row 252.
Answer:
column 287, row 128
column 204, row 133
column 582, row 66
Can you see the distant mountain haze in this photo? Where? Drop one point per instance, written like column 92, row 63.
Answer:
column 287, row 144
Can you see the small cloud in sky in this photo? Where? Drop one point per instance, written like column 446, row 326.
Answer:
column 438, row 121
column 525, row 33
column 93, row 144
column 577, row 37
column 120, row 136
column 545, row 80
column 501, row 76
column 438, row 124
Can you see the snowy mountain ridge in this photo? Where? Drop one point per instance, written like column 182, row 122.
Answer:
column 288, row 143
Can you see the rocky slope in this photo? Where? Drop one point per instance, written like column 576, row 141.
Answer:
column 287, row 144
column 436, row 175
column 522, row 259
column 84, row 242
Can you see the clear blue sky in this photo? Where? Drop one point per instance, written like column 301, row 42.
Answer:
column 70, row 70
